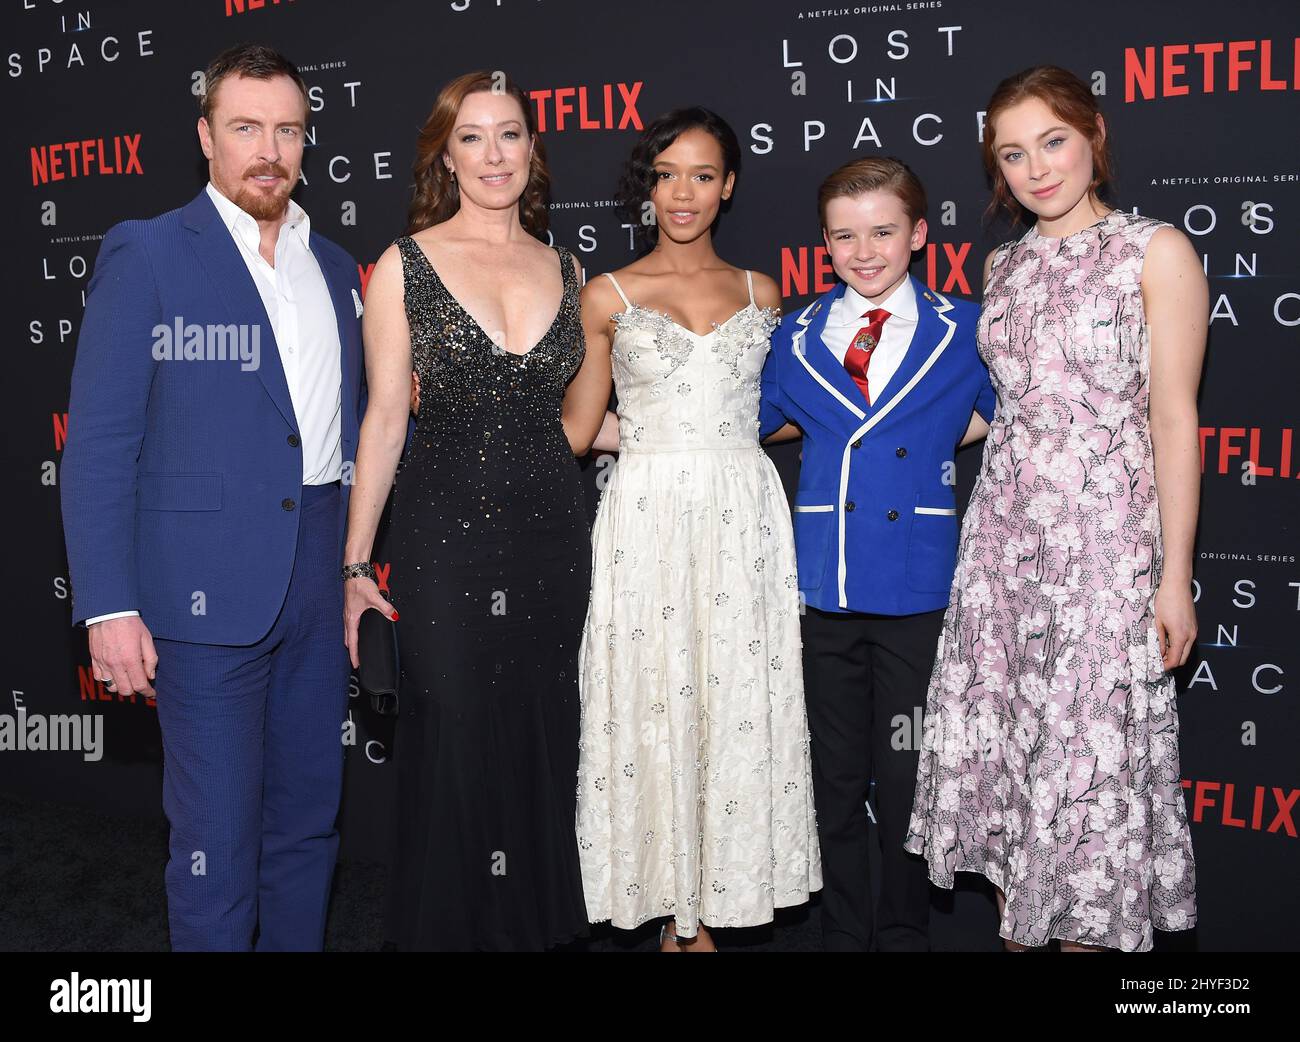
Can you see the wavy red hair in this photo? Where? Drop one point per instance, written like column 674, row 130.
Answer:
column 1072, row 102
column 437, row 196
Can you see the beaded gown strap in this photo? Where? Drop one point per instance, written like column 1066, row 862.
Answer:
column 749, row 281
column 567, row 273
column 409, row 250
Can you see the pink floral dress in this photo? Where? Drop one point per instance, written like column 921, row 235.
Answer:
column 1050, row 758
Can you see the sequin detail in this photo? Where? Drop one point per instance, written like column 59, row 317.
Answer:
column 490, row 569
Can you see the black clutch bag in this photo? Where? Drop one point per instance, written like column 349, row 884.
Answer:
column 377, row 653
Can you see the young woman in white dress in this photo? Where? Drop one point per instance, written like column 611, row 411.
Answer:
column 694, row 792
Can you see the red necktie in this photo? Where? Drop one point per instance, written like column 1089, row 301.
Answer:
column 864, row 342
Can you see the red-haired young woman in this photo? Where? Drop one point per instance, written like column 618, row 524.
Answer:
column 1051, row 756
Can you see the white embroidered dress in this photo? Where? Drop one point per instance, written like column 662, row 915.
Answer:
column 694, row 786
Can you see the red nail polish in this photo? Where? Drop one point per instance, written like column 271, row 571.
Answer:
column 394, row 615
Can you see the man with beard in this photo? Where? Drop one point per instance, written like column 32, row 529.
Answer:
column 204, row 499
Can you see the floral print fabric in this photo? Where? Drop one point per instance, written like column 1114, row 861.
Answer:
column 1050, row 761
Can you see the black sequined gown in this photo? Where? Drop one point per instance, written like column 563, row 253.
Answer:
column 491, row 561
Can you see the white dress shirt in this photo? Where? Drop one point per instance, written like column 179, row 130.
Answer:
column 298, row 304
column 846, row 319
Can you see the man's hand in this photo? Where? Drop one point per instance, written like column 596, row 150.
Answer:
column 122, row 655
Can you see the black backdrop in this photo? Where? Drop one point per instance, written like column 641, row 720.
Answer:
column 1202, row 103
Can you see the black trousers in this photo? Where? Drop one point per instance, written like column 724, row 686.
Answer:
column 861, row 672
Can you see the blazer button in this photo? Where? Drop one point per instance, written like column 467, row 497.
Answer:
column 850, row 506
column 900, row 453
column 858, row 443
column 293, row 441
column 892, row 515
column 288, row 504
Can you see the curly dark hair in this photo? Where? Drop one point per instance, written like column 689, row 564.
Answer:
column 637, row 183
column 437, row 196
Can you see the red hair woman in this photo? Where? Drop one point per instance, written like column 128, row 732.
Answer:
column 490, row 546
column 1051, row 756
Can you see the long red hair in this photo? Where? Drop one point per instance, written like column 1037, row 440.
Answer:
column 437, row 196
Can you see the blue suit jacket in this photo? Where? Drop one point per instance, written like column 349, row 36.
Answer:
column 178, row 475
column 875, row 516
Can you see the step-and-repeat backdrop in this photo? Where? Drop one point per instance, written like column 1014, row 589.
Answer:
column 1202, row 100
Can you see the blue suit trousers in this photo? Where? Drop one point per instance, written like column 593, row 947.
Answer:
column 253, row 762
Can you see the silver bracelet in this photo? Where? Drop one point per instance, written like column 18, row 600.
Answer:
column 360, row 570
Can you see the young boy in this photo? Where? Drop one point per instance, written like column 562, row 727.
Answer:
column 882, row 377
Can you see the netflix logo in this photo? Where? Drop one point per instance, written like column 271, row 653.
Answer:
column 86, row 158
column 1220, row 802
column 582, row 108
column 806, row 270
column 1180, row 68
column 1254, row 452
column 234, row 7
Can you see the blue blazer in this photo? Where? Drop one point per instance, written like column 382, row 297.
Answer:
column 875, row 515
column 181, row 478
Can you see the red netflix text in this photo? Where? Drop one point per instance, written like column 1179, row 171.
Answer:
column 581, row 108
column 797, row 280
column 86, row 158
column 1264, row 808
column 1181, row 68
column 1266, row 453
